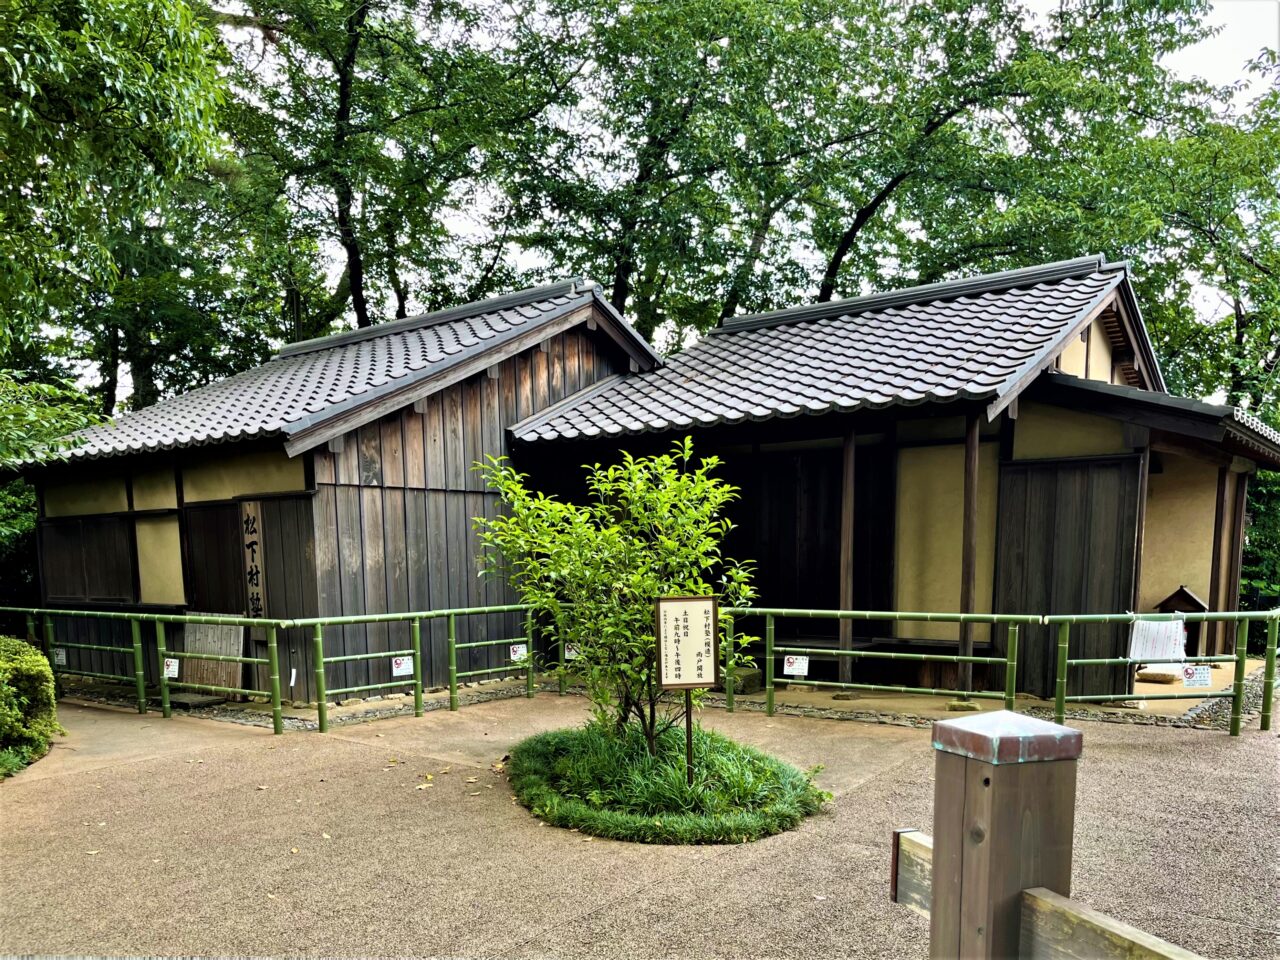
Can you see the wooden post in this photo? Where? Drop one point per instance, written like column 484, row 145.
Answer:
column 846, row 553
column 969, row 546
column 1003, row 821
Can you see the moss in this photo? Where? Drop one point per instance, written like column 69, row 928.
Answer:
column 606, row 784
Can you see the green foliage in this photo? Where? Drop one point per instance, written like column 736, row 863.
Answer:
column 105, row 101
column 35, row 418
column 653, row 528
column 14, row 760
column 606, row 783
column 28, row 711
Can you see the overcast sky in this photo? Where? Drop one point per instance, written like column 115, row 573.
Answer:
column 1246, row 27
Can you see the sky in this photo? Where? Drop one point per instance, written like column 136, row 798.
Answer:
column 1246, row 26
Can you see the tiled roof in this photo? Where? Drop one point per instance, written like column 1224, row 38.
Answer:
column 976, row 339
column 1242, row 425
column 309, row 382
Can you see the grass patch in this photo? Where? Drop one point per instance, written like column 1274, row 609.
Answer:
column 607, row 785
column 16, row 759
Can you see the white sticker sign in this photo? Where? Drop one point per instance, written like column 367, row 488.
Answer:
column 1157, row 640
column 687, row 631
column 519, row 651
column 794, row 666
column 1196, row 675
column 59, row 656
column 171, row 668
column 402, row 666
column 571, row 651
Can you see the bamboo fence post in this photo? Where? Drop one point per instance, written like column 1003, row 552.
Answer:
column 273, row 664
column 322, row 695
column 415, row 631
column 1269, row 673
column 166, row 710
column 1060, row 682
column 139, row 668
column 453, row 662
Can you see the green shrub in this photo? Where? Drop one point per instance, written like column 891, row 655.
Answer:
column 652, row 527
column 605, row 782
column 28, row 712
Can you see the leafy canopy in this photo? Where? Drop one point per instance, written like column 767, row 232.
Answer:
column 653, row 527
column 105, row 101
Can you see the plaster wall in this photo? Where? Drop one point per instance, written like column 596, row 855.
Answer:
column 1046, row 432
column 159, row 560
column 243, row 475
column 929, row 537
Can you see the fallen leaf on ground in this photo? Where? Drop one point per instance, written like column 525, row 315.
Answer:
column 261, row 786
column 476, row 794
column 93, row 852
column 422, row 786
column 294, row 850
column 472, row 779
column 326, row 836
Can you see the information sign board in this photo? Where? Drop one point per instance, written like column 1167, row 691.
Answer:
column 687, row 630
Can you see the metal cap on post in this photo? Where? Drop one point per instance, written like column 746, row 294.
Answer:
column 1003, row 821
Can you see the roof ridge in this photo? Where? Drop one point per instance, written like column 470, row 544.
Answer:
column 462, row 311
column 923, row 293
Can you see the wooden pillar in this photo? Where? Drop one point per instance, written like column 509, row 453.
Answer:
column 846, row 552
column 1003, row 821
column 1237, row 559
column 1209, row 633
column 969, row 546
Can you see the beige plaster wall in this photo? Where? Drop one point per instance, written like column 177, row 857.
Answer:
column 1045, row 432
column 77, row 498
column 159, row 560
column 242, row 475
column 1177, row 539
column 930, row 525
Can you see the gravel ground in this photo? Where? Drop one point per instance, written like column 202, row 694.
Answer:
column 1208, row 715
column 182, row 837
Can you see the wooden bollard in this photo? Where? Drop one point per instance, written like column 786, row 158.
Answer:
column 1003, row 821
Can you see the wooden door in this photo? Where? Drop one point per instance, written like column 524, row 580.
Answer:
column 215, row 559
column 1067, row 543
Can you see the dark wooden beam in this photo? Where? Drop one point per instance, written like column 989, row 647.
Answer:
column 1144, row 476
column 1210, row 634
column 969, row 546
column 847, row 572
column 1237, row 549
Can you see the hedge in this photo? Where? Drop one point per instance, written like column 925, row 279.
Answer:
column 28, row 711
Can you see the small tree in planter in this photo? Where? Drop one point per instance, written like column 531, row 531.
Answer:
column 653, row 527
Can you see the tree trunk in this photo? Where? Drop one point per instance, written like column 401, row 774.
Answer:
column 742, row 276
column 827, row 288
column 110, row 371
column 344, row 193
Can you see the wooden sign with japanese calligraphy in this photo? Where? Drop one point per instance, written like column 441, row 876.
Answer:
column 687, row 631
column 255, row 579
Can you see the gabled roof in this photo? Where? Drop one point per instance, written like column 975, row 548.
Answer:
column 1214, row 422
column 316, row 389
column 983, row 338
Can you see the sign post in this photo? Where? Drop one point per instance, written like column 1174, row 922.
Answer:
column 687, row 631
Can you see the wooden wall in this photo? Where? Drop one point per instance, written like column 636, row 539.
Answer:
column 394, row 505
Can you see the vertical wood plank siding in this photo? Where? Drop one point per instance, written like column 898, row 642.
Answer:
column 393, row 509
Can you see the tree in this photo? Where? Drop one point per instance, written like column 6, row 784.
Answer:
column 379, row 125
column 653, row 528
column 106, row 101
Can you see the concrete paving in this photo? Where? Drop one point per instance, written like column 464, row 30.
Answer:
column 191, row 837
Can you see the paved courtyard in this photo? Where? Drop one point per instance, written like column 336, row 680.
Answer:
column 139, row 835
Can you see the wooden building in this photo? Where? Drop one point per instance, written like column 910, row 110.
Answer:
column 1000, row 443
column 335, row 479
